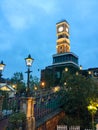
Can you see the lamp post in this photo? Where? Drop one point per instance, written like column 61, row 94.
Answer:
column 2, row 65
column 80, row 67
column 29, row 62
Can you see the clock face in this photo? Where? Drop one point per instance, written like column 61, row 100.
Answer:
column 66, row 29
column 60, row 29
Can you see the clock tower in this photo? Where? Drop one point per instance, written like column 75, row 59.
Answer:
column 64, row 56
column 64, row 60
column 63, row 42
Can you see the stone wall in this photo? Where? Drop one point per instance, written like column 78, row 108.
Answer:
column 52, row 123
column 1, row 103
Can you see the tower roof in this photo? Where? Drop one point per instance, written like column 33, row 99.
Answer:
column 63, row 20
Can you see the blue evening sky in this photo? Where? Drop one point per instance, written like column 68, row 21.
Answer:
column 29, row 27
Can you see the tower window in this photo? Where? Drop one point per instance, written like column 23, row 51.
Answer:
column 60, row 36
column 58, row 74
column 66, row 29
column 60, row 47
column 67, row 37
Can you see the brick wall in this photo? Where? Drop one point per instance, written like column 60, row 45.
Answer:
column 52, row 123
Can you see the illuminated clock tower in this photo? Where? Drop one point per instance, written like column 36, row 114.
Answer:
column 63, row 42
column 64, row 59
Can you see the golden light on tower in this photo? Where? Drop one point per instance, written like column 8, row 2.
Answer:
column 63, row 42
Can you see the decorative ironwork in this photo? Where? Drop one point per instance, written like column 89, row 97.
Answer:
column 46, row 104
column 10, row 105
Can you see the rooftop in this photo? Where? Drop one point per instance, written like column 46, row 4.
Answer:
column 63, row 20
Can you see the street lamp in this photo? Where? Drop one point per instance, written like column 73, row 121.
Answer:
column 29, row 62
column 80, row 67
column 2, row 65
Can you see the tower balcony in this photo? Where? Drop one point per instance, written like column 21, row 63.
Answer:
column 63, row 40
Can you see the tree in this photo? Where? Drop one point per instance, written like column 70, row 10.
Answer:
column 17, row 79
column 34, row 81
column 78, row 90
column 92, row 108
column 49, row 78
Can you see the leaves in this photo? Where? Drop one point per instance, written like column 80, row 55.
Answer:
column 79, row 90
column 17, row 117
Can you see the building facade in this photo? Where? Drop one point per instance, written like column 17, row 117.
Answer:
column 63, row 59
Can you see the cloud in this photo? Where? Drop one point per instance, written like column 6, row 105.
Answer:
column 5, row 40
column 18, row 14
column 50, row 7
column 5, row 46
column 21, row 30
column 22, row 14
column 89, row 57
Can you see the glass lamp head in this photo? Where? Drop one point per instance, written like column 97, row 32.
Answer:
column 2, row 65
column 29, row 60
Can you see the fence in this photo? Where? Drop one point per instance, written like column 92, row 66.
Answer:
column 10, row 105
column 45, row 104
column 64, row 127
column 61, row 127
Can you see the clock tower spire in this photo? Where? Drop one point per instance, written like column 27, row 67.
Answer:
column 63, row 42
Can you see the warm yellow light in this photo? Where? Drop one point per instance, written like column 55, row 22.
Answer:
column 62, row 33
column 90, row 107
column 4, row 88
column 14, row 86
column 65, row 83
column 42, row 84
column 29, row 60
column 66, row 69
column 89, row 72
column 62, row 23
column 64, row 40
column 56, row 89
column 56, row 46
column 2, row 65
column 80, row 67
column 77, row 73
column 35, row 88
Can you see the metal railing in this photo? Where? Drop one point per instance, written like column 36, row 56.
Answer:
column 45, row 104
column 10, row 105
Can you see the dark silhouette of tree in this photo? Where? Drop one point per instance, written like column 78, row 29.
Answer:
column 79, row 90
column 18, row 80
